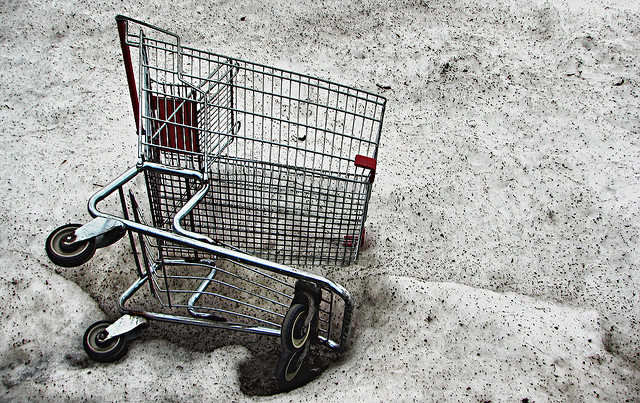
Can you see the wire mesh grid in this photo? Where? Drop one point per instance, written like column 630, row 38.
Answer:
column 222, row 290
column 186, row 120
column 167, row 194
column 283, row 214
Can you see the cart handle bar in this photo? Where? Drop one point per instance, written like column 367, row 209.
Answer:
column 123, row 31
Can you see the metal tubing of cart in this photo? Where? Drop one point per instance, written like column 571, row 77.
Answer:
column 185, row 319
column 232, row 255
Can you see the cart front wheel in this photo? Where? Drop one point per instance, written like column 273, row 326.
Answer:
column 64, row 252
column 294, row 333
column 99, row 349
column 290, row 371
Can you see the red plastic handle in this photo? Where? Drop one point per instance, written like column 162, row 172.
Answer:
column 128, row 67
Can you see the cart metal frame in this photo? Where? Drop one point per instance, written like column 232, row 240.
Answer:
column 246, row 169
column 145, row 268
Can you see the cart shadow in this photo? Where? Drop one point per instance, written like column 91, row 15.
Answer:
column 256, row 374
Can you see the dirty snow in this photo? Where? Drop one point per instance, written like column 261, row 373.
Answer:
column 501, row 262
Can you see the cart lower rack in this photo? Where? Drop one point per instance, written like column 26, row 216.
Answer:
column 243, row 169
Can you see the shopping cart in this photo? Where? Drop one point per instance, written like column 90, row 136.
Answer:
column 244, row 169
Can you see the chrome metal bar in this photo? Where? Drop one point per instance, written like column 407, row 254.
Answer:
column 205, row 262
column 196, row 295
column 241, row 315
column 226, row 298
column 186, row 209
column 231, row 255
column 185, row 319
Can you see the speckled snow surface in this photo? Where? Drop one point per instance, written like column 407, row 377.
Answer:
column 502, row 251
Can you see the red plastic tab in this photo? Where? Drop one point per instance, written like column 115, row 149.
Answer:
column 351, row 241
column 363, row 161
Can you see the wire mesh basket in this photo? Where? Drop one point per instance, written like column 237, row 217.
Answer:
column 290, row 158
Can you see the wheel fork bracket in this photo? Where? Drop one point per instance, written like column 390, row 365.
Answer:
column 126, row 324
column 96, row 227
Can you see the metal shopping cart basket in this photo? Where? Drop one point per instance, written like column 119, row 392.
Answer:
column 245, row 169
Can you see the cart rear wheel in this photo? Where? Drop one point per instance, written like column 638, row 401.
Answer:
column 290, row 370
column 100, row 350
column 295, row 334
column 64, row 252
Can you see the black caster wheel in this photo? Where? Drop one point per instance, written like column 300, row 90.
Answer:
column 64, row 252
column 100, row 350
column 291, row 371
column 294, row 333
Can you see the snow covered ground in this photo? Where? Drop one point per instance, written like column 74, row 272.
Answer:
column 503, row 237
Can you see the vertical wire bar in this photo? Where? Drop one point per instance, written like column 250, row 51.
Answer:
column 290, row 125
column 142, row 82
column 145, row 258
column 333, row 137
column 125, row 214
column 344, row 121
column 330, row 321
